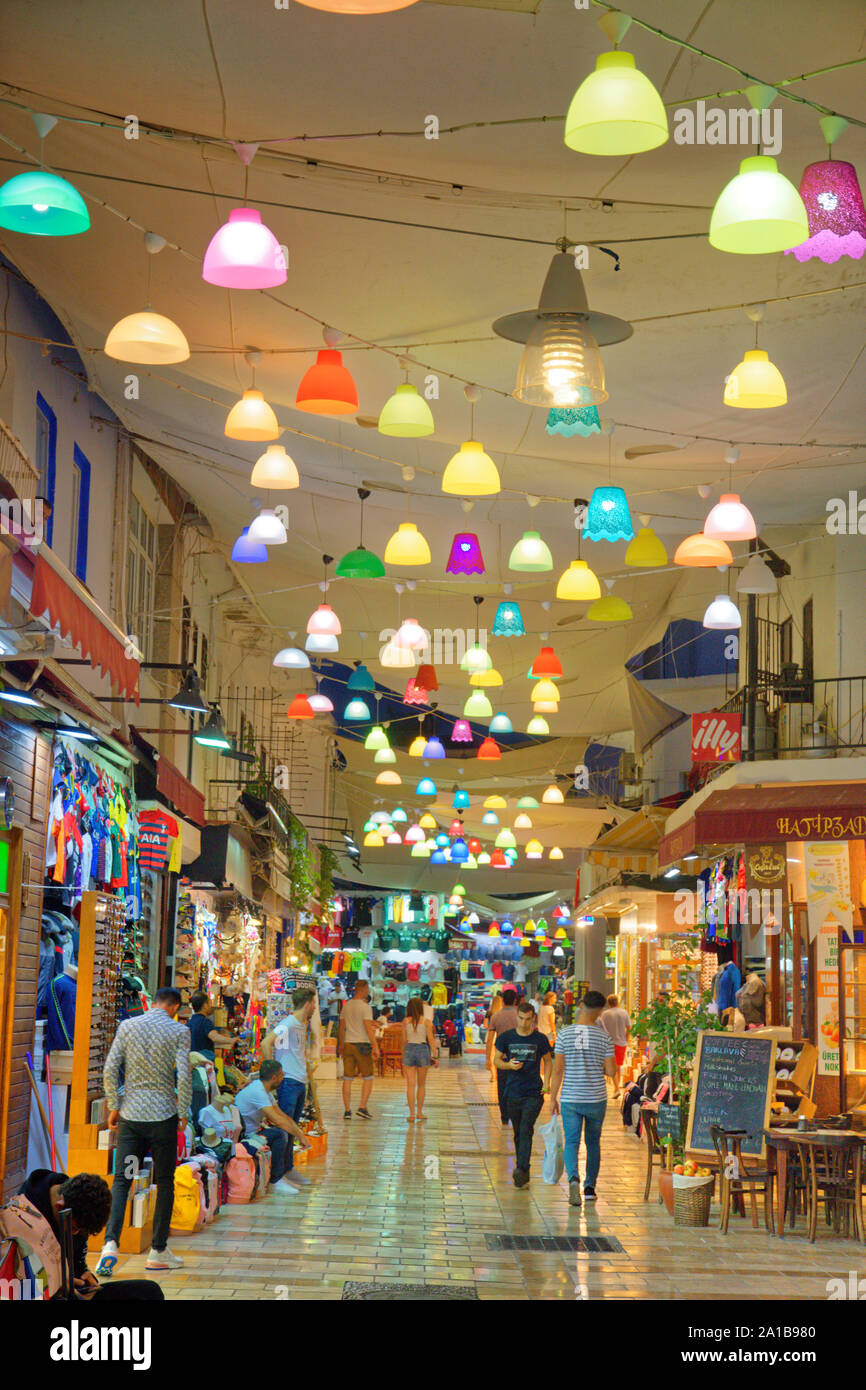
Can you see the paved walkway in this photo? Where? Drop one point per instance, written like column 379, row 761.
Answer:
column 397, row 1204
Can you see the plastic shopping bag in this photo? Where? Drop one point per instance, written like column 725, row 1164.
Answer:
column 554, row 1161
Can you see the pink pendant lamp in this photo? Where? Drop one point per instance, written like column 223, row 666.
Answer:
column 358, row 6
column 244, row 254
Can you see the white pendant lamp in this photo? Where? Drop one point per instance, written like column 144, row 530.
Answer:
column 267, row 528
column 147, row 337
column 757, row 577
column 411, row 634
column 722, row 614
column 730, row 520
column 321, row 643
column 291, row 659
column 325, row 620
column 275, row 469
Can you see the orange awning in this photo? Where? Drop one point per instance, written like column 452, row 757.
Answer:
column 79, row 622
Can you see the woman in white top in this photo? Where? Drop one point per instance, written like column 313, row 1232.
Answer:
column 547, row 1017
column 420, row 1047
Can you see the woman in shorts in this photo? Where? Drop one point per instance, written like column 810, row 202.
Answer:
column 420, row 1047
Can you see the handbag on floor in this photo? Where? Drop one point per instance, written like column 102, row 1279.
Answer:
column 554, row 1146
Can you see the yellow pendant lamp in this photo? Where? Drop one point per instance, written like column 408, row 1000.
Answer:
column 616, row 110
column 538, row 726
column 495, row 803
column 578, row 583
column 555, row 853
column 471, row 472
column 545, row 707
column 545, row 690
column 534, row 849
column 755, row 383
column 147, row 337
column 252, row 418
column 389, row 778
column 485, row 678
column 703, row 552
column 275, row 469
column 427, row 821
column 609, row 609
column 552, row 795
column 406, row 415
column 646, row 550
column 407, row 546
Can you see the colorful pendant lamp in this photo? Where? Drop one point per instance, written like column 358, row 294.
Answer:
column 546, row 665
column 471, row 472
column 538, row 726
column 755, row 383
column 275, row 470
column 415, row 694
column 578, row 583
column 359, row 7
column 552, row 795
column 760, row 211
column 320, row 704
column 396, row 657
column 360, row 563
column 426, row 787
column 417, row 746
column 730, row 520
column 837, row 218
column 267, row 528
column 465, row 557
column 757, row 577
column 421, row 850
column 407, row 546
column 583, row 421
column 406, row 415
column 608, row 517
column 476, row 658
column 244, row 254
column 702, row 552
column 426, row 676
column 461, row 733
column 459, row 852
column 545, row 689
column 545, row 707
column 291, row 658
column 498, row 860
column 251, row 418
column 413, row 835
column 321, row 643
column 248, row 552
column 461, row 800
column 501, row 724
column 722, row 614
column 530, row 555
column 434, row 748
column 488, row 750
column 398, row 815
column 616, row 110
column 427, row 821
column 300, row 708
column 324, row 620
column 327, row 388
column 522, row 822
column 508, row 621
column 646, row 550
column 376, row 739
column 609, row 609
column 495, row 802
column 385, row 755
column 42, row 204
column 527, row 803
column 486, row 679
column 373, row 840
column 411, row 634
column 360, row 679
column 534, row 849
column 357, row 711
column 477, row 706
column 146, row 337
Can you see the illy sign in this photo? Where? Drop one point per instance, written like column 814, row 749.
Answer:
column 716, row 738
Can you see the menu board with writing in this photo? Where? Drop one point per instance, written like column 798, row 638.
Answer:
column 733, row 1086
column 668, row 1123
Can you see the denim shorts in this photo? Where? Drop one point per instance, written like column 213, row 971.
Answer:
column 416, row 1055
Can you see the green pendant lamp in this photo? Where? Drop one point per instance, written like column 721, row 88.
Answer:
column 616, row 110
column 42, row 204
column 406, row 415
column 760, row 211
column 360, row 563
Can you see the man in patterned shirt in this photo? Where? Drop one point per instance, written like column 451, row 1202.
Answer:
column 151, row 1049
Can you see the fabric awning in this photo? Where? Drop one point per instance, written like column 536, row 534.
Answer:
column 64, row 601
column 756, row 815
column 650, row 716
column 186, row 798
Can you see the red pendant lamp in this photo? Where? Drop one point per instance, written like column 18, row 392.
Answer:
column 488, row 750
column 426, row 677
column 498, row 860
column 456, row 827
column 473, row 846
column 415, row 693
column 300, row 708
column 547, row 663
column 327, row 388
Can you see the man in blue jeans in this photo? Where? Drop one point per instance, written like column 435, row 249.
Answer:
column 583, row 1057
column 287, row 1044
column 262, row 1115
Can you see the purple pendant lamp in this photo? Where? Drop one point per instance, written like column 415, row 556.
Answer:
column 834, row 205
column 465, row 557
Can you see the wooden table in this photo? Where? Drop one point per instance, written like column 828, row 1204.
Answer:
column 781, row 1140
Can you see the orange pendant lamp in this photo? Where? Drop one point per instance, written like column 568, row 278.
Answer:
column 300, row 708
column 489, row 750
column 327, row 388
column 703, row 552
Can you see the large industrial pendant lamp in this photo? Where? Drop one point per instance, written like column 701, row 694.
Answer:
column 616, row 110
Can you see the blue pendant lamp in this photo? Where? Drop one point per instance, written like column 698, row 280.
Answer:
column 42, row 204
column 461, row 800
column 509, row 620
column 583, row 420
column 361, row 679
column 356, row 711
column 608, row 517
column 501, row 724
column 247, row 552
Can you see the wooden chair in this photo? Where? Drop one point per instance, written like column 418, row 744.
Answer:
column 736, row 1179
column 833, row 1176
column 654, row 1151
column 391, row 1051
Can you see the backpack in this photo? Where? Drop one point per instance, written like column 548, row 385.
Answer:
column 257, row 1146
column 28, row 1243
column 187, row 1214
column 240, row 1177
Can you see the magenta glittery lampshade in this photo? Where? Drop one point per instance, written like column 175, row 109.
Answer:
column 461, row 733
column 465, row 557
column 415, row 693
column 837, row 218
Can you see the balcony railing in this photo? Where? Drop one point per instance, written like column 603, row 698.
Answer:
column 798, row 717
column 15, row 467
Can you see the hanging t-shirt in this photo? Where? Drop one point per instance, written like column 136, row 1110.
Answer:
column 156, row 829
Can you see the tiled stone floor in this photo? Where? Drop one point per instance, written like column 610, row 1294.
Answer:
column 411, row 1204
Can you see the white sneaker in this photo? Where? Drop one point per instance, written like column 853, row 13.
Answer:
column 284, row 1188
column 107, row 1260
column 163, row 1259
column 297, row 1179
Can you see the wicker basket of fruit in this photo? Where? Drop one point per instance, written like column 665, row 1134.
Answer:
column 693, row 1193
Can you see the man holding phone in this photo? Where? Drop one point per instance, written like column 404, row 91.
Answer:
column 519, row 1056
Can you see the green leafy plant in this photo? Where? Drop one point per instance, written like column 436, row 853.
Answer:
column 671, row 1026
column 327, row 865
column 302, row 866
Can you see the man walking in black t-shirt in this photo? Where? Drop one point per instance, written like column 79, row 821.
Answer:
column 519, row 1056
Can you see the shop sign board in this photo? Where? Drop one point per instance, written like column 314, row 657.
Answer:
column 734, row 1083
column 669, row 1123
column 717, row 737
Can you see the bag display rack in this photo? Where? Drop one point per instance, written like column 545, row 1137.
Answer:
column 97, row 1014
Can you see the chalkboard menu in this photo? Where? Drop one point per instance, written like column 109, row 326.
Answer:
column 668, row 1123
column 732, row 1087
